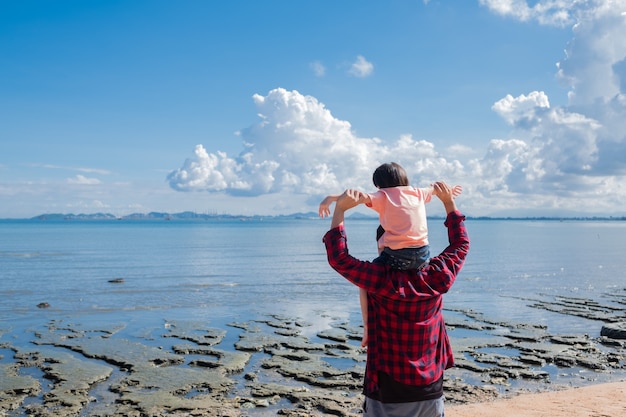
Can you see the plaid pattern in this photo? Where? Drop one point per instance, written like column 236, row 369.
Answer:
column 407, row 338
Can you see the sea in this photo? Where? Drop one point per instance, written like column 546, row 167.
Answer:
column 218, row 271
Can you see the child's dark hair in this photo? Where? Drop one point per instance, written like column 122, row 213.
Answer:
column 390, row 175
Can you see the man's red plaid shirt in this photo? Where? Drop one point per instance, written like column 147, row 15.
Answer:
column 407, row 337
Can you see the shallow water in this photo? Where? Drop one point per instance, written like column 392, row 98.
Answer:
column 222, row 270
column 246, row 279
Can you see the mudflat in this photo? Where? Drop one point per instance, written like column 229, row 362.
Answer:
column 277, row 365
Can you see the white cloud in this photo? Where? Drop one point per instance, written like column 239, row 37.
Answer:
column 523, row 108
column 549, row 12
column 79, row 169
column 299, row 147
column 557, row 158
column 594, row 66
column 565, row 142
column 318, row 68
column 361, row 67
column 82, row 180
column 460, row 151
column 576, row 151
column 560, row 148
column 595, row 70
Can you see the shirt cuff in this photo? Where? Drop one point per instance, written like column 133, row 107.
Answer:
column 334, row 233
column 454, row 217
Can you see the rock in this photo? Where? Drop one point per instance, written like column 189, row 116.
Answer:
column 532, row 360
column 336, row 335
column 590, row 363
column 262, row 403
column 265, row 390
column 564, row 361
column 607, row 341
column 185, row 368
column 529, row 374
column 15, row 388
column 288, row 332
column 194, row 332
column 256, row 342
column 614, row 330
column 72, row 378
column 572, row 340
column 230, row 362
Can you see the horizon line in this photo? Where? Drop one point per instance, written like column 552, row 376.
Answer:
column 190, row 215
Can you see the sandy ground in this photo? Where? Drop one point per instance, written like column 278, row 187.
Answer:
column 602, row 400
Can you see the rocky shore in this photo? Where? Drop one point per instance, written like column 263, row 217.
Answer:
column 266, row 366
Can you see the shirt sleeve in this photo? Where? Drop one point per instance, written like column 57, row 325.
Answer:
column 364, row 274
column 376, row 200
column 426, row 193
column 442, row 270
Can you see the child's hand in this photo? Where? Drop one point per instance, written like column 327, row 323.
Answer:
column 324, row 209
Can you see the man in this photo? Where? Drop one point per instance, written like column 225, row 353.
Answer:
column 407, row 345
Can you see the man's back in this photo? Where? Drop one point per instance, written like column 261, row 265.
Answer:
column 406, row 333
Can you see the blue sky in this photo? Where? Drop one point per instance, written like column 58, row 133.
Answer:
column 264, row 107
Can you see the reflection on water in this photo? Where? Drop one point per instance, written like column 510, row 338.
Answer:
column 242, row 269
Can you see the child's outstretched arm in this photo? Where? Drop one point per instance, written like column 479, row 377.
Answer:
column 324, row 209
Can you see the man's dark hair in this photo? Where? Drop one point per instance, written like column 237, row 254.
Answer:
column 390, row 175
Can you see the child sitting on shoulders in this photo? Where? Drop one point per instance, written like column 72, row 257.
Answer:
column 402, row 213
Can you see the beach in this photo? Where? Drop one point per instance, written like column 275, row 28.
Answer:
column 602, row 400
column 185, row 368
column 226, row 319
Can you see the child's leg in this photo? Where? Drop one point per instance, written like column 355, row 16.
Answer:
column 363, row 301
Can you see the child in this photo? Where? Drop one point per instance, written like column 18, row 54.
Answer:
column 402, row 213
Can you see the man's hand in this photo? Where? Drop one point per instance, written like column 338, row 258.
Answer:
column 457, row 190
column 446, row 195
column 347, row 200
column 350, row 198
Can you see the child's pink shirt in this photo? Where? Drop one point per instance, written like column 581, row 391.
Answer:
column 402, row 213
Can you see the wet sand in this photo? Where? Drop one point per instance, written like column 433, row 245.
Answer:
column 275, row 365
column 602, row 400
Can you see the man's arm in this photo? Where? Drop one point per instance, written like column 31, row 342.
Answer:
column 442, row 269
column 363, row 274
column 346, row 201
column 446, row 195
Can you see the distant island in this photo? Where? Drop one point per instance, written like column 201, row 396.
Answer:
column 185, row 215
column 190, row 215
